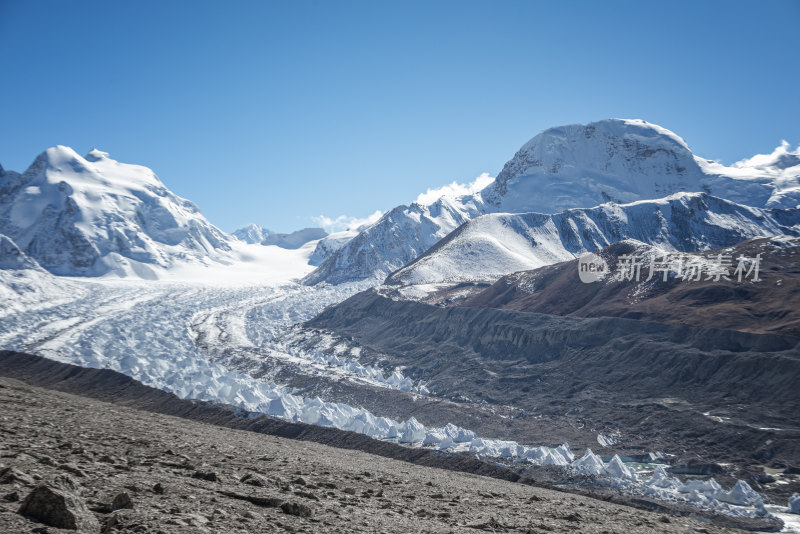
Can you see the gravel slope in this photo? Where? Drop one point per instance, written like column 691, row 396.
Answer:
column 107, row 450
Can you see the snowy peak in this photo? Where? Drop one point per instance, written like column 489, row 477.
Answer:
column 63, row 163
column 614, row 145
column 617, row 160
column 568, row 167
column 252, row 233
column 91, row 216
column 295, row 239
column 395, row 239
column 584, row 165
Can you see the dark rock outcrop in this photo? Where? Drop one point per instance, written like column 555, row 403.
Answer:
column 59, row 508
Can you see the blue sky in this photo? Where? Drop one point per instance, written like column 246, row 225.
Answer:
column 274, row 112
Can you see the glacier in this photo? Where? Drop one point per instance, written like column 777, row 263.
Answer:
column 179, row 336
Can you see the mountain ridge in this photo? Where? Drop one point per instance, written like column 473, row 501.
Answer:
column 574, row 166
column 252, row 233
column 492, row 245
column 93, row 216
column 771, row 305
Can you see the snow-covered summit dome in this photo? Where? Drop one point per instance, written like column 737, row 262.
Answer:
column 608, row 145
column 93, row 215
column 584, row 165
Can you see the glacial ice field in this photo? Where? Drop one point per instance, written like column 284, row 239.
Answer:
column 203, row 341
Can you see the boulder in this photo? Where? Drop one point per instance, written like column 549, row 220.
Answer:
column 59, row 508
column 121, row 500
column 293, row 508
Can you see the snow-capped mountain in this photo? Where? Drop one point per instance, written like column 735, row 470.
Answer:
column 295, row 239
column 90, row 216
column 395, row 239
column 252, row 233
column 579, row 166
column 576, row 166
column 326, row 244
column 494, row 245
column 336, row 240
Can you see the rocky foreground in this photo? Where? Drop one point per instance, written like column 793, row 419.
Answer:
column 82, row 464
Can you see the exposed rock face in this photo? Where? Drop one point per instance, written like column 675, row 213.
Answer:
column 121, row 501
column 619, row 371
column 293, row 508
column 646, row 358
column 10, row 475
column 59, row 508
column 254, row 479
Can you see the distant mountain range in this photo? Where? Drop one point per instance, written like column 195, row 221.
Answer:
column 252, row 233
column 256, row 235
column 568, row 190
column 570, row 167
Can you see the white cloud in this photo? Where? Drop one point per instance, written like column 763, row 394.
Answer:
column 455, row 189
column 760, row 161
column 345, row 222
